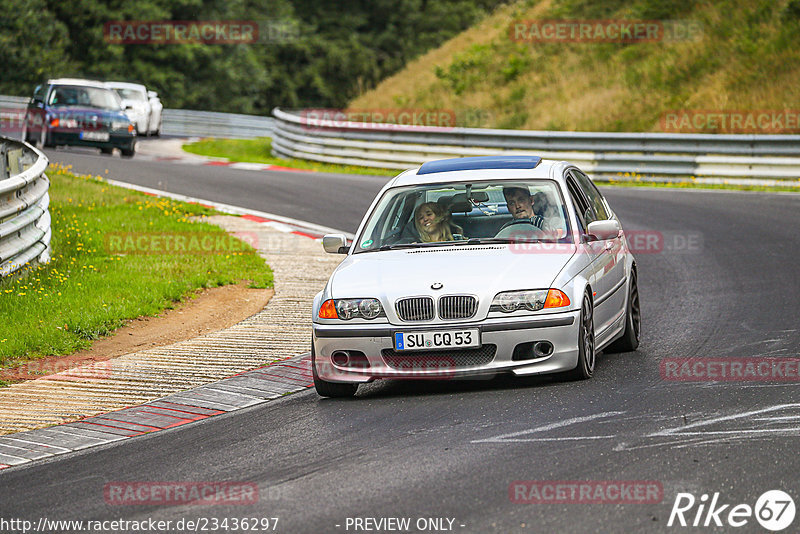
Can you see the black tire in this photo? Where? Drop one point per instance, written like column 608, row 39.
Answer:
column 25, row 131
column 587, row 355
column 44, row 138
column 330, row 389
column 128, row 152
column 629, row 341
column 107, row 150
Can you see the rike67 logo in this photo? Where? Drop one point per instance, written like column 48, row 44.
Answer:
column 774, row 510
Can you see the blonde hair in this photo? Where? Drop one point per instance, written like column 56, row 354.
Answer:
column 441, row 223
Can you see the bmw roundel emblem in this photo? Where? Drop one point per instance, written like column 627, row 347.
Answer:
column 437, row 285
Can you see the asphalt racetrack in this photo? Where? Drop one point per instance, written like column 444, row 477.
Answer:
column 723, row 283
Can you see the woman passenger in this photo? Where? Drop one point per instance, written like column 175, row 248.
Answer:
column 432, row 222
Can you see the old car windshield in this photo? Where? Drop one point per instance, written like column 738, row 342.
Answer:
column 130, row 94
column 454, row 214
column 91, row 97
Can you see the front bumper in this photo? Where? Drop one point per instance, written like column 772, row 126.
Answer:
column 376, row 343
column 73, row 138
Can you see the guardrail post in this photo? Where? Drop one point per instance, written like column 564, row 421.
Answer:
column 3, row 161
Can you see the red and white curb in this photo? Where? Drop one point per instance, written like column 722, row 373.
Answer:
column 277, row 222
column 243, row 390
column 241, row 165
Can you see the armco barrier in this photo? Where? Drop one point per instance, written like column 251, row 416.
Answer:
column 176, row 122
column 301, row 135
column 24, row 217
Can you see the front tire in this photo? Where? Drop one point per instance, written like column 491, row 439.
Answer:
column 330, row 389
column 629, row 341
column 25, row 131
column 128, row 152
column 586, row 344
column 44, row 138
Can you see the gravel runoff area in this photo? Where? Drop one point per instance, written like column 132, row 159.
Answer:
column 280, row 331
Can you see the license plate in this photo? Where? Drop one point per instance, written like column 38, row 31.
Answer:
column 437, row 339
column 94, row 136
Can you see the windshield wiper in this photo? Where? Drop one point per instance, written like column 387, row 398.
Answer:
column 487, row 241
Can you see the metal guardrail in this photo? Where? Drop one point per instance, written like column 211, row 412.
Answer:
column 174, row 122
column 24, row 218
column 189, row 123
column 602, row 154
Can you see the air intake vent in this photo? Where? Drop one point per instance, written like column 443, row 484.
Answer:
column 439, row 360
column 457, row 307
column 415, row 309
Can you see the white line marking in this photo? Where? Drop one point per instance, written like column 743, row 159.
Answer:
column 682, row 430
column 236, row 210
column 551, row 426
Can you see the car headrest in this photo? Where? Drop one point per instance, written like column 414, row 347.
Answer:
column 460, row 202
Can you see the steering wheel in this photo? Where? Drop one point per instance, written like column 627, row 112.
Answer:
column 515, row 229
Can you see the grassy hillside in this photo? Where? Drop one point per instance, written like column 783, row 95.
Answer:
column 747, row 57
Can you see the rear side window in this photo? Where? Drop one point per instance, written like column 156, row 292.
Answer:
column 592, row 194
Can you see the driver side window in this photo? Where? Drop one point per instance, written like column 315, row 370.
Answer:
column 591, row 193
column 586, row 214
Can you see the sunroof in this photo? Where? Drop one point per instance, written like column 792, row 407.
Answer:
column 480, row 162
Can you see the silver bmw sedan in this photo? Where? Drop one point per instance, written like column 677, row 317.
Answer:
column 473, row 267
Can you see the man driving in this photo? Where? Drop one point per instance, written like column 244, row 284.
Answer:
column 520, row 204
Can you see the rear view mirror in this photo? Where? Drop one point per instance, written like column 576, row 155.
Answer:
column 335, row 244
column 602, row 230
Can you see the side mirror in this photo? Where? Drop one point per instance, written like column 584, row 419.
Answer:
column 602, row 230
column 152, row 94
column 335, row 244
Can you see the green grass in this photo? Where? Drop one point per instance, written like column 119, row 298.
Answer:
column 741, row 56
column 89, row 288
column 695, row 185
column 259, row 150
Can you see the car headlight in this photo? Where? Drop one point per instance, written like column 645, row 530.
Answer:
column 530, row 300
column 118, row 125
column 346, row 309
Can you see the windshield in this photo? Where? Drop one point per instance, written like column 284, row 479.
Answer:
column 130, row 94
column 465, row 213
column 92, row 97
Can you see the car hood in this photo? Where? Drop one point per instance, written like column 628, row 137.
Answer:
column 83, row 111
column 136, row 104
column 481, row 270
